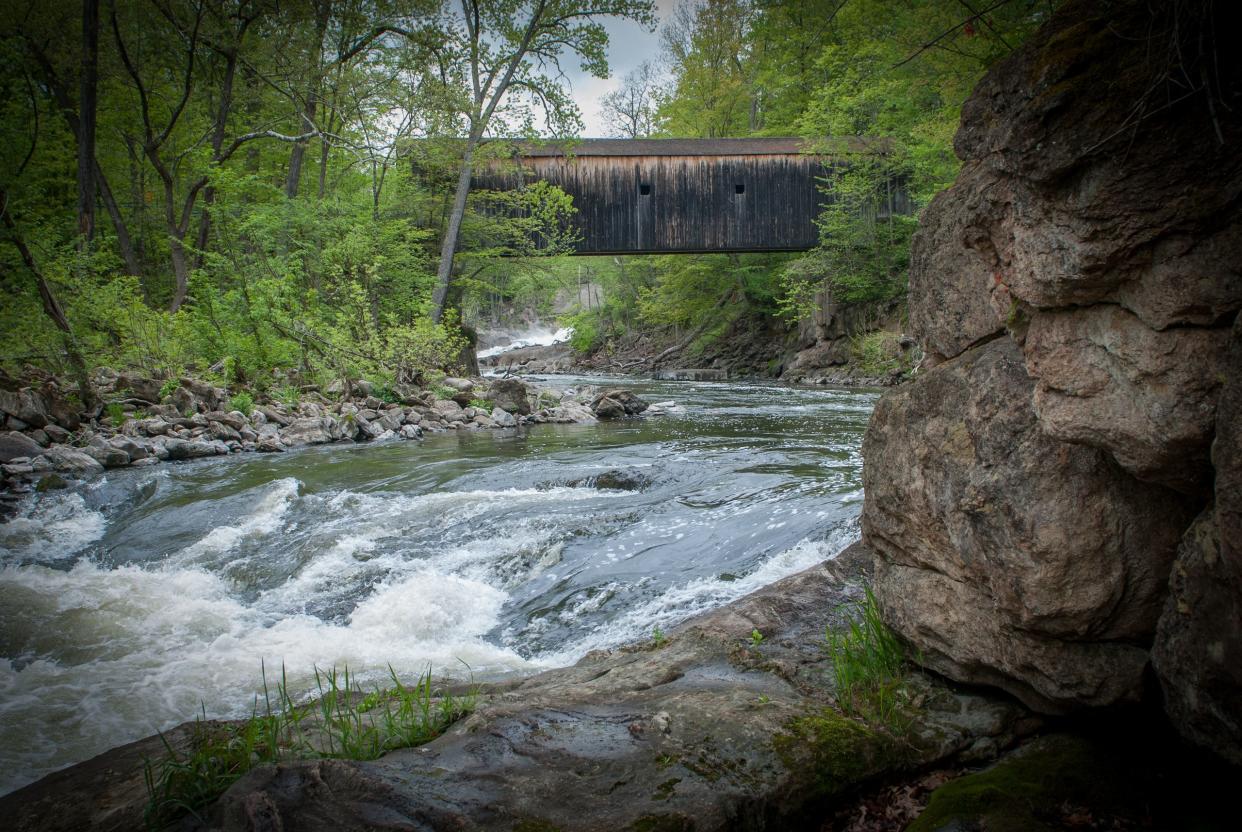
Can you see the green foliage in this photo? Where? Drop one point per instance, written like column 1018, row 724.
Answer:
column 756, row 638
column 243, row 402
column 481, row 404
column 342, row 722
column 878, row 352
column 288, row 396
column 658, row 638
column 116, row 413
column 867, row 664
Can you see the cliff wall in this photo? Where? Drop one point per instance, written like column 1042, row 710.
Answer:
column 1055, row 501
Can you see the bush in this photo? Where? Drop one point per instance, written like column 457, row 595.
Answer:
column 116, row 413
column 243, row 402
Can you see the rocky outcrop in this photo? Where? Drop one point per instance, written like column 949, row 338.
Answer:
column 1074, row 293
column 1198, row 649
column 617, row 404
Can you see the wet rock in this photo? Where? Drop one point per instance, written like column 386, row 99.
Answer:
column 511, row 395
column 617, row 479
column 108, row 456
column 132, row 449
column 999, row 555
column 72, row 461
column 616, row 404
column 14, row 444
column 503, row 418
column 269, row 444
column 411, row 432
column 51, row 482
column 179, row 449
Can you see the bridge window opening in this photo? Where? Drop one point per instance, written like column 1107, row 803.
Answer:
column 644, row 190
column 739, row 188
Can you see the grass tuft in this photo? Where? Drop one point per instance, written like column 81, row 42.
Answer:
column 867, row 662
column 343, row 722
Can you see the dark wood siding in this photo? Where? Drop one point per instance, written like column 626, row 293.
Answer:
column 693, row 204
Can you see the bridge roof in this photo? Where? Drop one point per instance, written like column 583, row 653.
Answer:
column 675, row 147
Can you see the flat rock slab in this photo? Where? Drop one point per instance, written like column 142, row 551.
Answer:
column 705, row 730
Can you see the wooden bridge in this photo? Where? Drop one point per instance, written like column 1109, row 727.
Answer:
column 660, row 196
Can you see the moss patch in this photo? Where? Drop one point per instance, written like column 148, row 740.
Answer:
column 836, row 752
column 1037, row 789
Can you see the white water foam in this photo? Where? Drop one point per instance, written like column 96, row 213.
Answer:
column 264, row 519
column 533, row 338
column 54, row 528
column 679, row 603
column 103, row 655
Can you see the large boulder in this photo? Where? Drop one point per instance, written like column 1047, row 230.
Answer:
column 1008, row 557
column 1073, row 292
column 14, row 445
column 510, row 394
column 311, row 430
column 26, row 404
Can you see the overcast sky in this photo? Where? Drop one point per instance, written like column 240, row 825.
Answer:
column 628, row 46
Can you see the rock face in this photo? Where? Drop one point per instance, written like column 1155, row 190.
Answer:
column 1198, row 650
column 1074, row 293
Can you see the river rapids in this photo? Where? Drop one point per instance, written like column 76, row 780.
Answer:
column 152, row 595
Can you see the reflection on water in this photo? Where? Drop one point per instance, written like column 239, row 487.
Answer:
column 126, row 604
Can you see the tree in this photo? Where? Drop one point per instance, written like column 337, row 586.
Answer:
column 86, row 120
column 631, row 109
column 517, row 45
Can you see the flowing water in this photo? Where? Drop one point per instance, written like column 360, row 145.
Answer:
column 129, row 605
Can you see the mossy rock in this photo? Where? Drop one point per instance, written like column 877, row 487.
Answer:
column 1071, row 781
column 836, row 752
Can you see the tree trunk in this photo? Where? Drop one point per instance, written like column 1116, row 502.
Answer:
column 123, row 243
column 86, row 122
column 53, row 309
column 449, row 248
column 181, row 272
column 298, row 155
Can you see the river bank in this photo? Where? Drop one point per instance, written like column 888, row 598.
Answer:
column 143, row 421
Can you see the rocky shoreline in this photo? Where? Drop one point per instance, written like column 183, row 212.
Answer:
column 708, row 728
column 45, row 442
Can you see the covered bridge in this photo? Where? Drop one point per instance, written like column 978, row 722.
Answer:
column 658, row 196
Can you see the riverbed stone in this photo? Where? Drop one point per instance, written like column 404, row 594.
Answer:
column 180, row 449
column 72, row 461
column 503, row 418
column 14, row 444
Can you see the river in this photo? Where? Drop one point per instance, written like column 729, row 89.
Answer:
column 150, row 595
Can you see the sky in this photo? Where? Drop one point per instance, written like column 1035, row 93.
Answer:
column 629, row 44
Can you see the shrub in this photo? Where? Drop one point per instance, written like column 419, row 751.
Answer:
column 116, row 413
column 243, row 402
